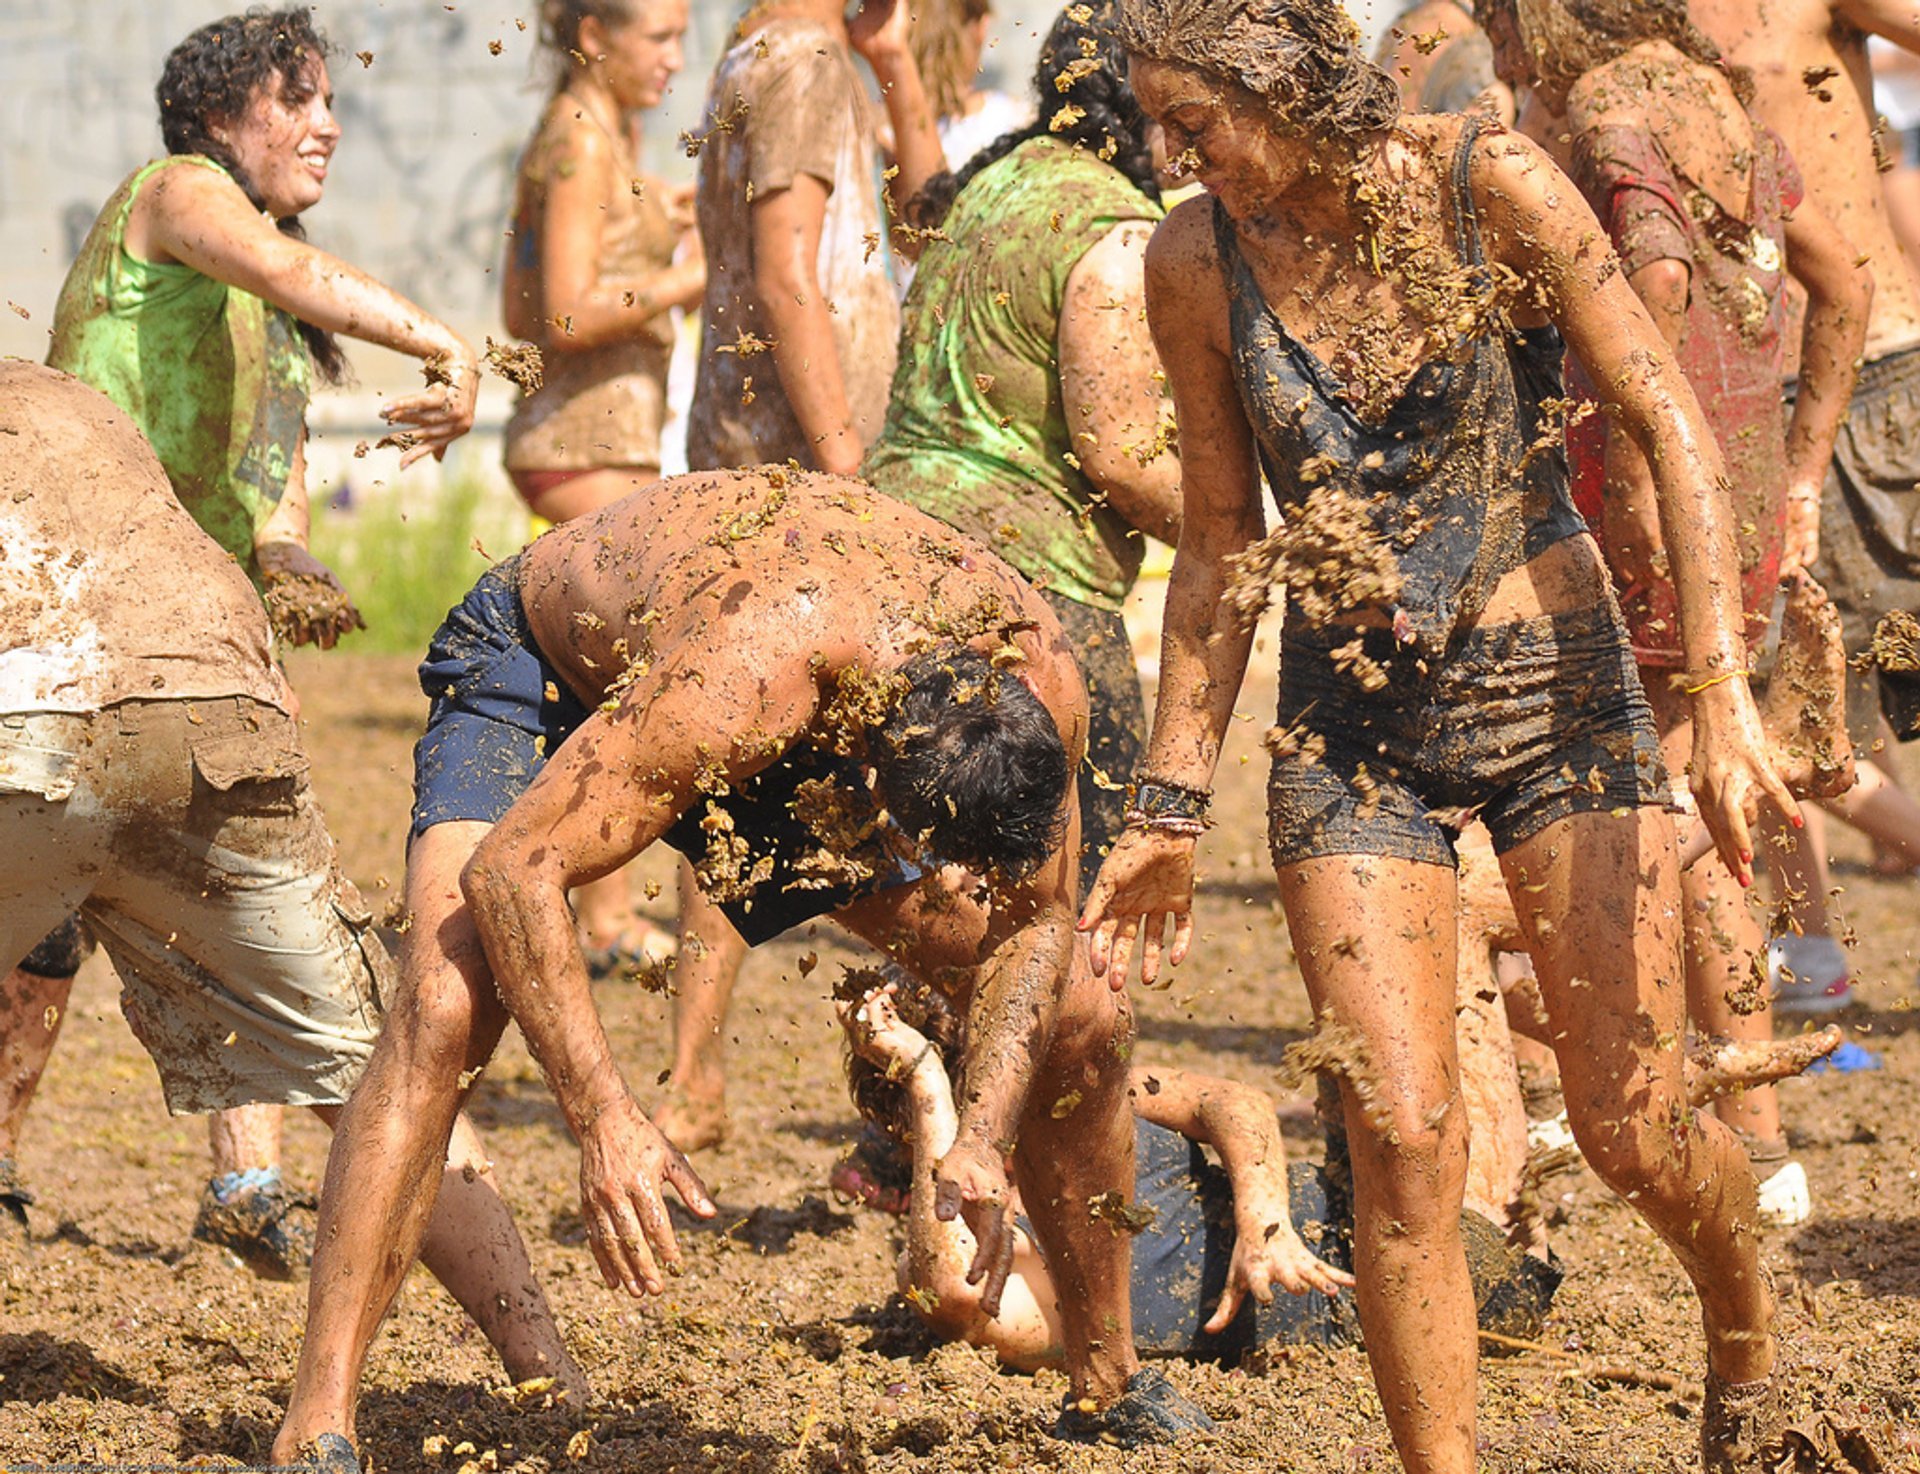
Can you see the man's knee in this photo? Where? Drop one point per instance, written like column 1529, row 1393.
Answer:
column 1418, row 1151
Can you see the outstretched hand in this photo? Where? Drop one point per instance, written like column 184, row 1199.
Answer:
column 971, row 1183
column 1731, row 772
column 1267, row 1252
column 440, row 414
column 306, row 603
column 877, row 1032
column 625, row 1162
column 1146, row 880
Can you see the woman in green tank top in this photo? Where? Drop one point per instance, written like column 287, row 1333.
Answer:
column 197, row 306
column 1026, row 409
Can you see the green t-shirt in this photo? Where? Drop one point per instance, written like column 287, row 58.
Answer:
column 976, row 431
column 216, row 378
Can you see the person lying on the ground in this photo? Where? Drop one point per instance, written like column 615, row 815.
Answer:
column 152, row 780
column 1212, row 1244
column 831, row 704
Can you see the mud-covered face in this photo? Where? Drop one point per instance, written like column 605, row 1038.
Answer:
column 641, row 57
column 285, row 140
column 1218, row 134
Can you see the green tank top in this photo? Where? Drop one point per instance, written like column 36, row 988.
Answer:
column 976, row 431
column 215, row 378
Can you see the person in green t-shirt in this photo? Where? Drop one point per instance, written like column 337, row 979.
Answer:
column 1027, row 407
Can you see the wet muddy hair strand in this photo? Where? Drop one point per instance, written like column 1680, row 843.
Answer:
column 213, row 76
column 1302, row 57
column 1080, row 82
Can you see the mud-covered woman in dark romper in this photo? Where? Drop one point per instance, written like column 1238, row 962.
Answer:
column 1365, row 307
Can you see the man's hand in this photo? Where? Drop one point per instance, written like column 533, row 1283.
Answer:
column 624, row 1160
column 1267, row 1252
column 971, row 1183
column 306, row 604
column 1730, row 770
column 1148, row 876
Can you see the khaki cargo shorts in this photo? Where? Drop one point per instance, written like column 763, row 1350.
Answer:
column 185, row 833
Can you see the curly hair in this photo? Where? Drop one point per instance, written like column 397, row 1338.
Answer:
column 1302, row 57
column 1080, row 85
column 1566, row 39
column 214, row 76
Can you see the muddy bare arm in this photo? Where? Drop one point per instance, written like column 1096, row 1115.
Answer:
column 1240, row 1123
column 1539, row 228
column 1839, row 299
column 306, row 602
column 786, row 251
column 612, row 789
column 1110, row 383
column 1896, row 20
column 1016, row 995
column 880, row 34
column 202, row 219
column 583, row 309
column 1148, row 877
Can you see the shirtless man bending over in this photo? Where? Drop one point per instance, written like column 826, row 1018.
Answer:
column 830, row 703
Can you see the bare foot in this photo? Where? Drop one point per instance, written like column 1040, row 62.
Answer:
column 1805, row 711
column 693, row 1124
column 1722, row 1065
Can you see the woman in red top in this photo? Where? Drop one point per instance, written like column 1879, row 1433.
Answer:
column 1706, row 210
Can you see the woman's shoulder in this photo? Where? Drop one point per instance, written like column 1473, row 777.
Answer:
column 1184, row 255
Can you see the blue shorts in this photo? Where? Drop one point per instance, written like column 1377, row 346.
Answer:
column 498, row 710
column 1525, row 724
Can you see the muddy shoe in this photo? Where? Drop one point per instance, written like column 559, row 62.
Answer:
column 330, row 1453
column 253, row 1216
column 1808, row 974
column 1741, row 1427
column 14, row 1202
column 1151, row 1411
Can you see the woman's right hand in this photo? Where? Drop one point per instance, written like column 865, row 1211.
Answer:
column 877, row 1032
column 443, row 412
column 1147, row 878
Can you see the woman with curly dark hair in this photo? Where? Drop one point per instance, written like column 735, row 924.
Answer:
column 1027, row 409
column 198, row 307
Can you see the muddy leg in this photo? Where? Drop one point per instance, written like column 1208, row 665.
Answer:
column 246, row 1138
column 694, row 1114
column 1375, row 938
column 1062, row 1164
column 390, row 1142
column 1805, row 711
column 1600, row 898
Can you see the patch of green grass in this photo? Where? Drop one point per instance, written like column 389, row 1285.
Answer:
column 407, row 559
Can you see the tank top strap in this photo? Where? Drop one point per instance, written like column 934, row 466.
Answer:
column 1466, row 220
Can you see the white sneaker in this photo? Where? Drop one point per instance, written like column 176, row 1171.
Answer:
column 1785, row 1201
column 1808, row 974
column 1550, row 1135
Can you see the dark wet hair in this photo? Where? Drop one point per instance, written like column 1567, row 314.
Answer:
column 970, row 762
column 1302, row 57
column 1566, row 39
column 881, row 1099
column 1080, row 82
column 213, row 76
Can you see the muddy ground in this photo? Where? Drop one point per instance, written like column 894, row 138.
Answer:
column 782, row 1348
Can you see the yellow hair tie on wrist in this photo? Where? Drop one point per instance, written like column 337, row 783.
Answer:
column 1725, row 675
